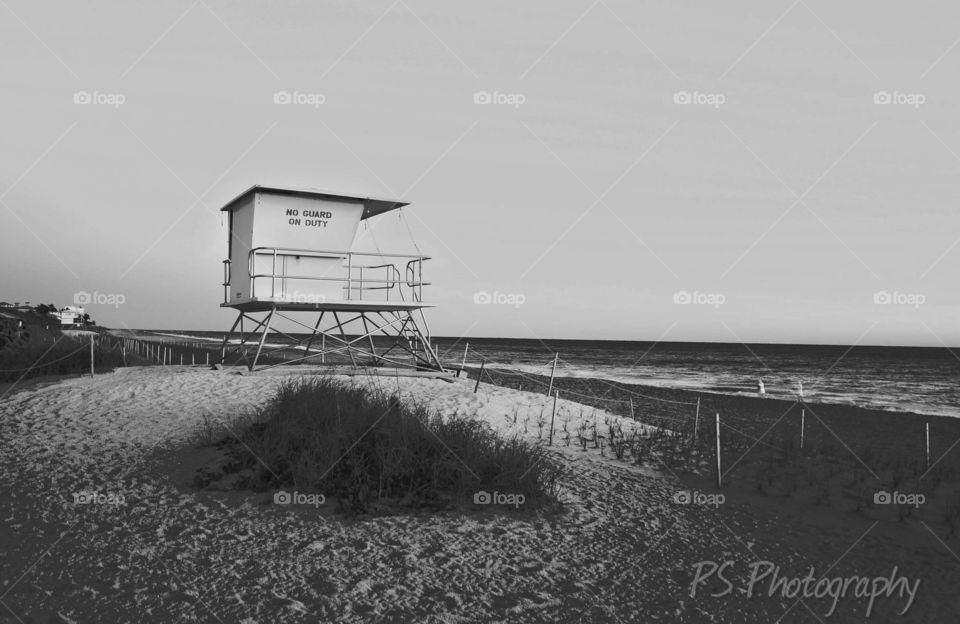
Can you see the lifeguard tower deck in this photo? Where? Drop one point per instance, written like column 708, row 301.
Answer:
column 290, row 261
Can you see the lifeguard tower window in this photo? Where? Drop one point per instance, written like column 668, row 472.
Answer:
column 289, row 250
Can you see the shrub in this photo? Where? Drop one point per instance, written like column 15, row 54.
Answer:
column 361, row 445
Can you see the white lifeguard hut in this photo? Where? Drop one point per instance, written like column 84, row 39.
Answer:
column 290, row 257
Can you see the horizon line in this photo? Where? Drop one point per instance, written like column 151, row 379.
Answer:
column 711, row 342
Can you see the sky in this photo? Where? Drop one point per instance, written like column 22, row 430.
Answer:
column 737, row 172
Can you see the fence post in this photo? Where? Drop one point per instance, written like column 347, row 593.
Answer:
column 483, row 363
column 696, row 421
column 463, row 363
column 552, row 372
column 556, row 395
column 719, row 473
column 803, row 421
column 91, row 356
column 632, row 417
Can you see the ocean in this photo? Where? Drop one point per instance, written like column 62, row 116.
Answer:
column 914, row 379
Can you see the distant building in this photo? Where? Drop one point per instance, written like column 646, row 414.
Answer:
column 70, row 316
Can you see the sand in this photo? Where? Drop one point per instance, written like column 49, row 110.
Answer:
column 621, row 550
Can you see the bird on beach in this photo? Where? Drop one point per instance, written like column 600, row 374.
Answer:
column 760, row 387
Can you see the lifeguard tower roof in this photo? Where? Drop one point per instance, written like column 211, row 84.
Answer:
column 372, row 206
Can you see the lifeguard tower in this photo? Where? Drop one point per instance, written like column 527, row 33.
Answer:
column 290, row 257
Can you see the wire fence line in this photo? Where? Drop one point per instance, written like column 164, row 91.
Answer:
column 627, row 395
column 752, row 434
column 549, row 363
column 98, row 350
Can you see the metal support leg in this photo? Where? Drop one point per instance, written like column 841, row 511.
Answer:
column 243, row 337
column 366, row 330
column 226, row 338
column 345, row 341
column 263, row 338
column 313, row 335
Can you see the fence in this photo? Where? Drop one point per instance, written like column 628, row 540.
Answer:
column 742, row 438
column 73, row 354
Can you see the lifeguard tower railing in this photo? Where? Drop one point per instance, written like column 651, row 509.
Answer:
column 356, row 297
column 361, row 276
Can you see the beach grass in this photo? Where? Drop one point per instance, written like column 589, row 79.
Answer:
column 368, row 449
column 849, row 454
